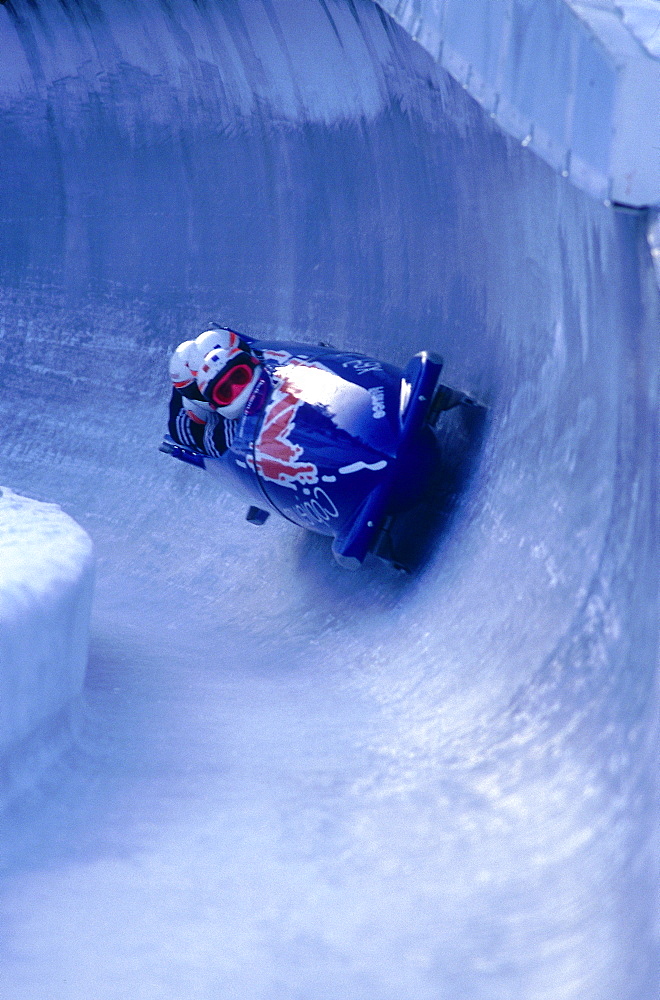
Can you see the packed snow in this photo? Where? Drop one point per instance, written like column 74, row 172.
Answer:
column 46, row 581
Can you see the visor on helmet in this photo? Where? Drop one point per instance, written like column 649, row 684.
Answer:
column 229, row 384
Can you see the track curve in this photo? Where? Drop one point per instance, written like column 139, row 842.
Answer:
column 286, row 775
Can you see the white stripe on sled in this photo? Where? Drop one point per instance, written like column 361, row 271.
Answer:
column 358, row 466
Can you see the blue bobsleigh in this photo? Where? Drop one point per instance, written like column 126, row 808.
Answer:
column 335, row 442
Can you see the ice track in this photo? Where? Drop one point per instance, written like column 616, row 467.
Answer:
column 288, row 781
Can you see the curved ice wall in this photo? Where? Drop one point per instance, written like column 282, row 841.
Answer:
column 576, row 81
column 287, row 775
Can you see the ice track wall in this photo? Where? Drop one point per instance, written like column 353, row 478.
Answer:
column 285, row 775
column 576, row 81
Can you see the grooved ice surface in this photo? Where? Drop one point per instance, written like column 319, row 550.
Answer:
column 290, row 781
column 45, row 596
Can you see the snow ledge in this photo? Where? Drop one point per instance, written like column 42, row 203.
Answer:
column 46, row 584
column 576, row 81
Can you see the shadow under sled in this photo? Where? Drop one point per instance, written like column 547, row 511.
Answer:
column 408, row 539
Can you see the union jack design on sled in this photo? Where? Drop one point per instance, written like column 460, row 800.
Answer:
column 336, row 442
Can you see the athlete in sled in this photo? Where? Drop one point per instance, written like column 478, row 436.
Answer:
column 335, row 442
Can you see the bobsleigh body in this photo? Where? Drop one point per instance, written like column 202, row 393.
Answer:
column 335, row 442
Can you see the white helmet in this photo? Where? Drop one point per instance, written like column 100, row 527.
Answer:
column 188, row 358
column 227, row 377
column 212, row 339
column 181, row 373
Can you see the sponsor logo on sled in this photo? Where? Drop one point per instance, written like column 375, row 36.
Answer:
column 276, row 457
column 319, row 509
column 377, row 402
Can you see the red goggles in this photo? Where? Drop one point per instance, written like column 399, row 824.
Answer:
column 231, row 384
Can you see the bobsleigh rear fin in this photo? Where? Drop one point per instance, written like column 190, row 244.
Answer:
column 418, row 387
column 417, row 391
column 351, row 547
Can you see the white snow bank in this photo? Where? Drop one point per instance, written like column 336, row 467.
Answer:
column 578, row 81
column 46, row 581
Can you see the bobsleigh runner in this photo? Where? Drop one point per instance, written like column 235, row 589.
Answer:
column 336, row 442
